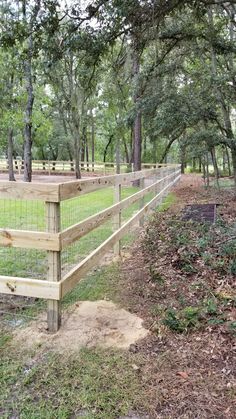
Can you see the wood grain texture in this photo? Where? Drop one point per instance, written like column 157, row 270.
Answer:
column 29, row 239
column 29, row 191
column 54, row 266
column 29, row 287
column 72, row 189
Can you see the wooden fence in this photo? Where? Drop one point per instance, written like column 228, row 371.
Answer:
column 51, row 167
column 53, row 240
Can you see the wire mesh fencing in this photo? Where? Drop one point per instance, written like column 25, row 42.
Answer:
column 34, row 216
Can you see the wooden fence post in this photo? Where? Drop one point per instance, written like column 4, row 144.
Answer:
column 117, row 218
column 54, row 265
column 141, row 205
column 157, row 188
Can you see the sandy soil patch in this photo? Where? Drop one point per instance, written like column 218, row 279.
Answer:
column 88, row 324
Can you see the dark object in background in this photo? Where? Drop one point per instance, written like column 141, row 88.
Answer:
column 200, row 212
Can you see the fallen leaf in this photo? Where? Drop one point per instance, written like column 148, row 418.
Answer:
column 183, row 374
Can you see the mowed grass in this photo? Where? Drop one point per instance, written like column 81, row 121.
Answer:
column 91, row 383
column 30, row 215
column 33, row 264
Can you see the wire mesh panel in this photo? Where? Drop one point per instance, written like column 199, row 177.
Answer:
column 77, row 209
column 19, row 262
column 37, row 216
column 22, row 215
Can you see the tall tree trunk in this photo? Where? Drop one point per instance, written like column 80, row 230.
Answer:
column 77, row 158
column 93, row 140
column 10, row 155
column 207, row 170
column 118, row 156
column 106, row 148
column 137, row 130
column 127, row 158
column 28, row 114
column 137, row 141
column 220, row 96
column 183, row 158
column 87, row 155
column 233, row 155
column 228, row 160
column 70, row 156
column 30, row 91
column 215, row 165
column 154, row 144
column 82, row 158
column 199, row 164
column 204, row 170
column 223, row 160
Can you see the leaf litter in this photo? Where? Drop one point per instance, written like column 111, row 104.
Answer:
column 180, row 278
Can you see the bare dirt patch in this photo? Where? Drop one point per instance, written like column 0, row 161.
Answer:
column 87, row 324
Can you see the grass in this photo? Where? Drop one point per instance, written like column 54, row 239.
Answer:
column 223, row 183
column 92, row 383
column 20, row 214
column 98, row 285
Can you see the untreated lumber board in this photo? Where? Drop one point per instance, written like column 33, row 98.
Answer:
column 29, row 239
column 75, row 232
column 29, row 191
column 53, row 218
column 30, row 287
column 72, row 278
column 72, row 189
column 117, row 217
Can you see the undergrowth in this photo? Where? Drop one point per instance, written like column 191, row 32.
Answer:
column 193, row 266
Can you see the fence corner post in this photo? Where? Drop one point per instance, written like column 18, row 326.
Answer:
column 54, row 265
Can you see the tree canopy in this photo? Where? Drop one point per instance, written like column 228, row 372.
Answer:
column 80, row 78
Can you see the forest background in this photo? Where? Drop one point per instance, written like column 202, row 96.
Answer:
column 142, row 81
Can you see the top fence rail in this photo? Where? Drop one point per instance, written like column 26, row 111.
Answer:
column 51, row 192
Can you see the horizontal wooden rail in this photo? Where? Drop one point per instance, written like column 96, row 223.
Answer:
column 72, row 189
column 75, row 232
column 51, row 192
column 29, row 239
column 30, row 287
column 29, row 191
column 53, row 241
column 72, row 278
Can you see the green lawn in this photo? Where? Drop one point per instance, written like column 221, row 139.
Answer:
column 92, row 383
column 30, row 215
